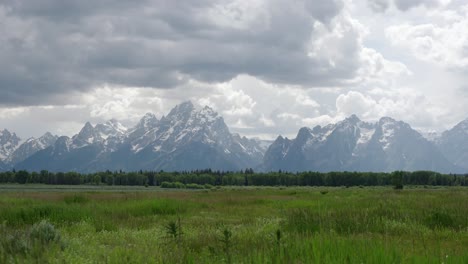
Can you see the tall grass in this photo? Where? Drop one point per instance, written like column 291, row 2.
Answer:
column 238, row 225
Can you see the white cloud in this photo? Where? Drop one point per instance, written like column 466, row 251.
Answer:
column 444, row 44
column 355, row 103
column 10, row 113
column 407, row 105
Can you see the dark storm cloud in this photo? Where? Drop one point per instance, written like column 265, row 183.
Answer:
column 49, row 48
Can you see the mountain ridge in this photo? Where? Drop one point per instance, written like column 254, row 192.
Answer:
column 198, row 138
column 355, row 145
column 173, row 142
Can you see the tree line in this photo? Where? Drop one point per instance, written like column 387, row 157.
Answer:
column 241, row 178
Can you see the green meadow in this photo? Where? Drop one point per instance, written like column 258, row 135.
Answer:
column 40, row 224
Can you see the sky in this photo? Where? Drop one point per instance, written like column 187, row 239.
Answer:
column 269, row 67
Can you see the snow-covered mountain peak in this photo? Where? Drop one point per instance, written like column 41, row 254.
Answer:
column 30, row 147
column 353, row 144
column 111, row 128
column 9, row 142
column 86, row 136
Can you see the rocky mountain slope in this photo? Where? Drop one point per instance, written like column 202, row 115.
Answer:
column 454, row 144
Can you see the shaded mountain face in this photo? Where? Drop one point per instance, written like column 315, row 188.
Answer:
column 454, row 144
column 3, row 166
column 354, row 145
column 275, row 156
column 187, row 138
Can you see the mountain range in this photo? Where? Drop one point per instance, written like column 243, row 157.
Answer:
column 189, row 138
column 355, row 145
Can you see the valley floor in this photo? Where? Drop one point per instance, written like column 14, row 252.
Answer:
column 86, row 224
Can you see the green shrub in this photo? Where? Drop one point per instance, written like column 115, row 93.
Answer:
column 44, row 232
column 167, row 185
column 194, row 186
column 12, row 242
column 173, row 185
column 208, row 186
column 33, row 242
column 179, row 185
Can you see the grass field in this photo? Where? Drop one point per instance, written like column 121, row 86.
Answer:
column 40, row 224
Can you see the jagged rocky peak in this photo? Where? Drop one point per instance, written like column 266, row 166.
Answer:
column 207, row 114
column 48, row 135
column 186, row 114
column 47, row 139
column 283, row 141
column 8, row 137
column 30, row 147
column 88, row 135
column 352, row 119
column 87, row 129
column 182, row 109
column 208, row 111
column 9, row 142
column 304, row 134
column 148, row 120
column 387, row 121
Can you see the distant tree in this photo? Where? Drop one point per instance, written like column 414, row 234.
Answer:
column 397, row 180
column 21, row 176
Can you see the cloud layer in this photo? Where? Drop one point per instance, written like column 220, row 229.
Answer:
column 268, row 66
column 51, row 47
